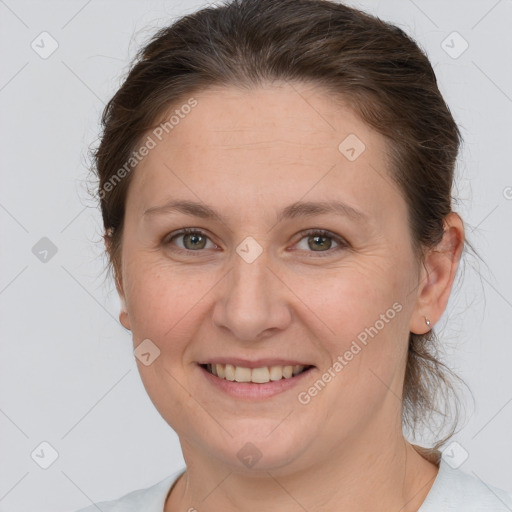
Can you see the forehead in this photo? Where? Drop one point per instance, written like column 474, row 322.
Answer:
column 280, row 141
column 285, row 117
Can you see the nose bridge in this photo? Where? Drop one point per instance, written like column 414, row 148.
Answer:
column 251, row 302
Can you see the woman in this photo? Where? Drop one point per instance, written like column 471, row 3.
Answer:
column 275, row 182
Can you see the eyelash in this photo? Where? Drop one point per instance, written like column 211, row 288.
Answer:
column 342, row 244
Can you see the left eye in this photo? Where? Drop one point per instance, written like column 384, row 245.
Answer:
column 317, row 240
column 321, row 241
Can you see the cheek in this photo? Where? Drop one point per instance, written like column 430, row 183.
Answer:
column 366, row 343
column 355, row 296
column 162, row 302
column 364, row 323
column 164, row 306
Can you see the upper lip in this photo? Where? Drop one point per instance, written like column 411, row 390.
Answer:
column 257, row 363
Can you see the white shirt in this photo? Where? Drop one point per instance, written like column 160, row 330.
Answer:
column 453, row 491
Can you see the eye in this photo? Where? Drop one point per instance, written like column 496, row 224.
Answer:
column 320, row 240
column 192, row 239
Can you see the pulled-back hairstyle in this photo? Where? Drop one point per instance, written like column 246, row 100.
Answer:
column 374, row 66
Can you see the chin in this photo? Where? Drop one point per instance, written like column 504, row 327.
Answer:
column 255, row 446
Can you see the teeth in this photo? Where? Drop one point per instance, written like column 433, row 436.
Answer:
column 260, row 375
column 297, row 369
column 229, row 372
column 257, row 375
column 287, row 371
column 221, row 372
column 276, row 372
column 242, row 374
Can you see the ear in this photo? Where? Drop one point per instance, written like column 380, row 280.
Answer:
column 437, row 276
column 123, row 313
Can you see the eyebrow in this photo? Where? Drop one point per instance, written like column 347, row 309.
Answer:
column 293, row 211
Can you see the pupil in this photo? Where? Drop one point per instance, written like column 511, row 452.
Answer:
column 195, row 239
column 320, row 245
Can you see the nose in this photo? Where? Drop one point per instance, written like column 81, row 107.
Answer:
column 252, row 301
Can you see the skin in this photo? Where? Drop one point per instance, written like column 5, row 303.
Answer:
column 249, row 154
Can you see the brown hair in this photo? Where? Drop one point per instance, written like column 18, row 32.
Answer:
column 381, row 71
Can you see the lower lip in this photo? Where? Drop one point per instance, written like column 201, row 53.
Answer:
column 251, row 390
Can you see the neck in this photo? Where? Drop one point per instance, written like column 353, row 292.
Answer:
column 364, row 477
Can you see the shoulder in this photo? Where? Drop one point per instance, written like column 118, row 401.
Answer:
column 149, row 499
column 455, row 490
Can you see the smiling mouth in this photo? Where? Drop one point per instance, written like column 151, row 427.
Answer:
column 260, row 375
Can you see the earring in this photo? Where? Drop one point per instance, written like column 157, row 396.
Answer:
column 427, row 321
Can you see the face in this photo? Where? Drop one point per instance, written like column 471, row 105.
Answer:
column 298, row 257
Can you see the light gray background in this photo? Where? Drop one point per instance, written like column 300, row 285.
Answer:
column 67, row 372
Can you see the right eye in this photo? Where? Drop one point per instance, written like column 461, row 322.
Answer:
column 193, row 239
